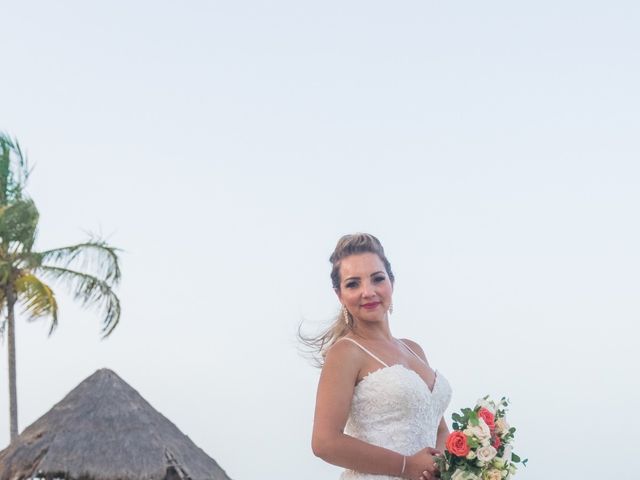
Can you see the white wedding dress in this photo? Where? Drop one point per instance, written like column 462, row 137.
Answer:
column 394, row 408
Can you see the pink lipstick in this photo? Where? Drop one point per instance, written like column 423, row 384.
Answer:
column 370, row 306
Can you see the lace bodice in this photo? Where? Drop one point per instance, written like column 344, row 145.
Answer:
column 393, row 407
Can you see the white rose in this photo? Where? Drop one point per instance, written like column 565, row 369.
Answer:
column 464, row 475
column 489, row 405
column 480, row 431
column 486, row 454
column 502, row 426
column 458, row 475
column 499, row 463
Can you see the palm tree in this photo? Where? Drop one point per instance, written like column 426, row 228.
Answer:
column 90, row 269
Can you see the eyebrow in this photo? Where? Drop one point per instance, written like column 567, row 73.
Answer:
column 358, row 278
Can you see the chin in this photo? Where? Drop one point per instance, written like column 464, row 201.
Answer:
column 373, row 317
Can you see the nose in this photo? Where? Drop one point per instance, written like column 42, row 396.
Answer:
column 367, row 289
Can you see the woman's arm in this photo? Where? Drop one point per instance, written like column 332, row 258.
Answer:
column 333, row 402
column 443, row 433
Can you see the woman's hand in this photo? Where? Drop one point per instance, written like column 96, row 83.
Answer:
column 422, row 466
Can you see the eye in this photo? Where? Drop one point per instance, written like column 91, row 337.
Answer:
column 379, row 278
column 351, row 284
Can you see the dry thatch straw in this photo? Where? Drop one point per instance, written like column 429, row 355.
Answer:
column 104, row 430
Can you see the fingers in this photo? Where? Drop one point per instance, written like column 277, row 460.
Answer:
column 430, row 472
column 430, row 475
column 433, row 467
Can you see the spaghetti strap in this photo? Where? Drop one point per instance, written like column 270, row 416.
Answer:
column 365, row 350
column 411, row 350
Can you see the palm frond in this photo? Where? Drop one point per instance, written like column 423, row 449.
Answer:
column 95, row 257
column 90, row 291
column 24, row 260
column 37, row 299
column 19, row 224
column 14, row 169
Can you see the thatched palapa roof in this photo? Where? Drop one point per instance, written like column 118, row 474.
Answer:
column 104, row 430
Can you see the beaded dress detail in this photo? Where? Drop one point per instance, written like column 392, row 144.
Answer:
column 393, row 407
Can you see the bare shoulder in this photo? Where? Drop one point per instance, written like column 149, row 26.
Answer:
column 416, row 348
column 344, row 355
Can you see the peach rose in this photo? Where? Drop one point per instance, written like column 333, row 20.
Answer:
column 502, row 426
column 492, row 474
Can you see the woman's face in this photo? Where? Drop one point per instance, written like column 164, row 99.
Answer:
column 365, row 288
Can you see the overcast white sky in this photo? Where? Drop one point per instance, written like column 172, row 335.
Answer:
column 225, row 146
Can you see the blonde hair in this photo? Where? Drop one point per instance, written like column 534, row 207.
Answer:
column 348, row 245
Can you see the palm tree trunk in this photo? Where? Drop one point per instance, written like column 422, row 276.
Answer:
column 13, row 396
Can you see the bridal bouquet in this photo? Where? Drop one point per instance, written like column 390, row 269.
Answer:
column 479, row 447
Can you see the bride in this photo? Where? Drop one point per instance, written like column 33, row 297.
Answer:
column 379, row 404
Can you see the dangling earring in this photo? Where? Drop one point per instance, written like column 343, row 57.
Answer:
column 345, row 315
column 390, row 308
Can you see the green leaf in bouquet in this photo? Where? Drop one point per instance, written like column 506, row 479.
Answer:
column 455, row 463
column 477, row 471
column 473, row 419
column 524, row 462
column 512, row 430
column 515, row 458
column 456, row 426
column 457, row 417
column 472, row 442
